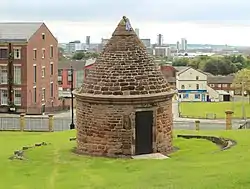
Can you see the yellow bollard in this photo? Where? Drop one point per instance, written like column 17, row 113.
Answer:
column 22, row 122
column 51, row 122
column 197, row 125
column 229, row 114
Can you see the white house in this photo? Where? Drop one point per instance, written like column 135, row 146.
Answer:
column 191, row 85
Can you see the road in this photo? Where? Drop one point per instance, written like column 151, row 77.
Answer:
column 179, row 123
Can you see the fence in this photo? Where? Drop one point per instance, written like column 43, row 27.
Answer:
column 49, row 123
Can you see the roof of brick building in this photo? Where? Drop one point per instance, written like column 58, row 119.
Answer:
column 16, row 31
column 228, row 79
column 124, row 68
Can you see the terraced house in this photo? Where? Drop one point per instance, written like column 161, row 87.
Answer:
column 28, row 68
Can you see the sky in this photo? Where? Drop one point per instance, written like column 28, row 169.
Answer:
column 206, row 22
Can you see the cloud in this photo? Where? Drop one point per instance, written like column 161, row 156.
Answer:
column 111, row 10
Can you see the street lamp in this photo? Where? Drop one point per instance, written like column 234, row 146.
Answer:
column 72, row 125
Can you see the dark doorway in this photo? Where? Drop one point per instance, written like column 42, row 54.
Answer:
column 226, row 98
column 144, row 132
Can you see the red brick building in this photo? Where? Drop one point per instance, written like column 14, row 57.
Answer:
column 34, row 68
column 80, row 70
column 222, row 83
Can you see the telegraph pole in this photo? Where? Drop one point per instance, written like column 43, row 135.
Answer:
column 72, row 125
column 10, row 79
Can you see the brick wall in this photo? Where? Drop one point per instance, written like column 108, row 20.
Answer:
column 105, row 133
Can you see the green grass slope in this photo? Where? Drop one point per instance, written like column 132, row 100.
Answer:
column 197, row 165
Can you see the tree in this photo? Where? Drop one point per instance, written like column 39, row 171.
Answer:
column 180, row 62
column 242, row 81
column 211, row 67
column 84, row 55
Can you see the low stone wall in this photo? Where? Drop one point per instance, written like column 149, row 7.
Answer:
column 19, row 154
column 224, row 143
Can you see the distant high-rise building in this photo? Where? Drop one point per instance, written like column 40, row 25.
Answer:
column 87, row 40
column 137, row 31
column 160, row 40
column 183, row 44
column 73, row 46
column 178, row 46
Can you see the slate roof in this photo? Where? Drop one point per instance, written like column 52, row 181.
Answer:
column 18, row 31
column 220, row 79
column 66, row 64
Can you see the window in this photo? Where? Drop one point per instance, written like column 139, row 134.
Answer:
column 51, row 90
column 60, row 72
column 224, row 85
column 197, row 96
column 34, row 95
column 3, row 75
column 185, row 95
column 34, row 54
column 69, row 72
column 17, row 75
column 51, row 69
column 43, row 53
column 197, row 86
column 211, row 85
column 34, row 67
column 69, row 76
column 197, row 77
column 51, row 51
column 43, row 71
column 43, row 36
column 17, row 53
column 219, row 85
column 4, row 97
column 182, row 86
column 3, row 53
column 43, row 94
column 17, row 95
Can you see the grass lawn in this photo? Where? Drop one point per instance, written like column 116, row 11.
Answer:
column 197, row 165
column 200, row 109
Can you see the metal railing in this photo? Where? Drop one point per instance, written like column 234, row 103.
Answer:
column 34, row 124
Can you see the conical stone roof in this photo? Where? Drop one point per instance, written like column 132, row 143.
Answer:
column 124, row 68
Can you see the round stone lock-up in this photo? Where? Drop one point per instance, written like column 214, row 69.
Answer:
column 124, row 106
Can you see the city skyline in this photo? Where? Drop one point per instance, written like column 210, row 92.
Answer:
column 172, row 32
column 206, row 23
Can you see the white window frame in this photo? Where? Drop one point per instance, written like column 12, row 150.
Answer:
column 34, row 95
column 34, row 54
column 51, row 52
column 18, row 103
column 7, row 52
column 34, row 76
column 51, row 95
column 51, row 63
column 43, row 53
column 43, row 94
column 3, row 80
column 15, row 50
column 1, row 93
column 15, row 76
column 43, row 71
